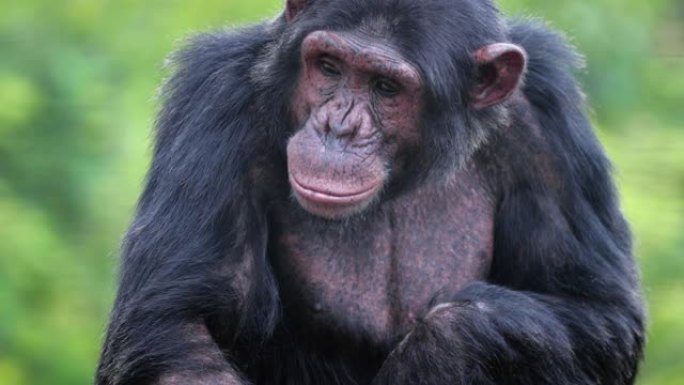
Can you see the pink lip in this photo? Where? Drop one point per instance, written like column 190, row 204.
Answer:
column 314, row 195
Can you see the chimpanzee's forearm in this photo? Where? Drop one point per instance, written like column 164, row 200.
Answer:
column 206, row 366
column 493, row 335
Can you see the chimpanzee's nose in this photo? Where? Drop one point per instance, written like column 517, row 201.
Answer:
column 345, row 122
column 341, row 129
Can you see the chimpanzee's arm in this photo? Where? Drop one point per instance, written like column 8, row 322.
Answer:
column 569, row 313
column 562, row 305
column 192, row 255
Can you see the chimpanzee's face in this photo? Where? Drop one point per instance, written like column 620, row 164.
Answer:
column 357, row 104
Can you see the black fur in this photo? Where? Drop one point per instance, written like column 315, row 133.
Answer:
column 562, row 305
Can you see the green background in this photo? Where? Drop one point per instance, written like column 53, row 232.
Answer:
column 78, row 80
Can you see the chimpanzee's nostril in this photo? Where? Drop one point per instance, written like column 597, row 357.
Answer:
column 342, row 128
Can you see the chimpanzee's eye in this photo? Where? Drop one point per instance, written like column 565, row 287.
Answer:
column 386, row 87
column 328, row 67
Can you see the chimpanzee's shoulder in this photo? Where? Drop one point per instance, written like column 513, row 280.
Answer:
column 225, row 48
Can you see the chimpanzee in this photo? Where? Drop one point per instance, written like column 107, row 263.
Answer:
column 376, row 192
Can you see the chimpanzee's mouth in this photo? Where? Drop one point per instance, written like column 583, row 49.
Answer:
column 328, row 196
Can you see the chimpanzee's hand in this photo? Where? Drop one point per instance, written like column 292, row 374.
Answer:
column 430, row 354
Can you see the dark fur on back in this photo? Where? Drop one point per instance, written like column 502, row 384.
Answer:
column 563, row 286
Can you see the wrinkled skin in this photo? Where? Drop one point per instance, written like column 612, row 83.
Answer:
column 352, row 127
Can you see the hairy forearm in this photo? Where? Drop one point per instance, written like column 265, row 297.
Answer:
column 227, row 377
column 206, row 363
column 492, row 335
column 183, row 352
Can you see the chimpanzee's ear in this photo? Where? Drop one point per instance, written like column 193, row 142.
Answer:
column 500, row 70
column 292, row 8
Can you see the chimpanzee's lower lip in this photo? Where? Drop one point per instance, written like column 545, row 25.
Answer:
column 318, row 196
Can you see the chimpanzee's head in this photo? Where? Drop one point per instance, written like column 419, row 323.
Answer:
column 385, row 87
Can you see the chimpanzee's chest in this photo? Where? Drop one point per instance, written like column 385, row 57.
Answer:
column 371, row 275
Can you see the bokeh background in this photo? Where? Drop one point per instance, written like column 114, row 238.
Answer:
column 78, row 80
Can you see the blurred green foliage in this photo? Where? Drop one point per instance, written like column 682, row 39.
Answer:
column 77, row 85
